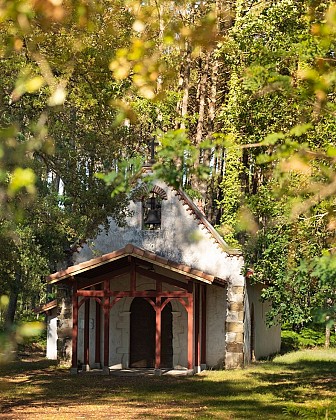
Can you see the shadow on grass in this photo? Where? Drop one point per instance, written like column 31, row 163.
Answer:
column 260, row 392
column 314, row 376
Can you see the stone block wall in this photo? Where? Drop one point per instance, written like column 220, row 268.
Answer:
column 64, row 324
column 234, row 352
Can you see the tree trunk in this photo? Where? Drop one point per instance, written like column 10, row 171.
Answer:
column 184, row 85
column 213, row 95
column 11, row 310
column 202, row 95
column 12, row 305
column 327, row 334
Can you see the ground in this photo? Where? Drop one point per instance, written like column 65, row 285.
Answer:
column 295, row 385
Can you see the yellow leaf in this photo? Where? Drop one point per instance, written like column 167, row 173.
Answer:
column 295, row 164
column 58, row 96
column 22, row 178
column 4, row 301
column 138, row 26
column 34, row 84
column 30, row 329
column 147, row 92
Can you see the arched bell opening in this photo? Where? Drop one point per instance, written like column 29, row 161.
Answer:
column 151, row 211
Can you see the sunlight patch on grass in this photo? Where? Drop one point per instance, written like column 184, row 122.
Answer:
column 302, row 382
column 319, row 355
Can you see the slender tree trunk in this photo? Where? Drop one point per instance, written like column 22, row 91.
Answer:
column 184, row 82
column 202, row 97
column 213, row 95
column 12, row 305
column 327, row 333
column 224, row 10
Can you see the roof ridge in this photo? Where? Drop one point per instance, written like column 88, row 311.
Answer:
column 204, row 221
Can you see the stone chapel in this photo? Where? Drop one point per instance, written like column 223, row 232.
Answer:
column 163, row 292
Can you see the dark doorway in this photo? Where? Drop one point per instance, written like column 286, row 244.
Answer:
column 142, row 351
column 143, row 328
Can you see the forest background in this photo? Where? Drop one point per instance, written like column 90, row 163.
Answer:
column 239, row 98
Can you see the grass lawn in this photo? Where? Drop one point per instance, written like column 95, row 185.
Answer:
column 296, row 385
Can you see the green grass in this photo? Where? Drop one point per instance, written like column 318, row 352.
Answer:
column 295, row 385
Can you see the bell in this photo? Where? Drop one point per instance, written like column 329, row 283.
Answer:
column 152, row 217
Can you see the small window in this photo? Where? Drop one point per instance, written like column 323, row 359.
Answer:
column 151, row 212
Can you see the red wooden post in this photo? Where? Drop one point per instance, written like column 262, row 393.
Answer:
column 197, row 324
column 74, row 325
column 97, row 336
column 158, row 333
column 106, row 322
column 86, row 331
column 203, row 325
column 190, row 311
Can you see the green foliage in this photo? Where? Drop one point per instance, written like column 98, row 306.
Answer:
column 321, row 413
column 307, row 337
column 279, row 109
column 291, row 269
column 86, row 85
column 176, row 159
column 124, row 177
column 19, row 335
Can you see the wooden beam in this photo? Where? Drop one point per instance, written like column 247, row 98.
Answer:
column 197, row 324
column 156, row 276
column 87, row 282
column 90, row 293
column 86, row 331
column 145, row 293
column 74, row 325
column 190, row 312
column 97, row 333
column 132, row 275
column 158, row 333
column 149, row 294
column 106, row 322
column 203, row 325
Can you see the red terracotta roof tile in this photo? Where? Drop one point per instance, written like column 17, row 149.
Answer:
column 46, row 307
column 197, row 272
column 161, row 260
column 137, row 252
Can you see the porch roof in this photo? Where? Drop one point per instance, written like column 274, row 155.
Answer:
column 139, row 253
column 46, row 307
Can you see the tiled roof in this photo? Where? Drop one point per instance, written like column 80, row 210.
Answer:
column 137, row 252
column 46, row 307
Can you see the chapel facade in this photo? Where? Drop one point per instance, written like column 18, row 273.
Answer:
column 164, row 292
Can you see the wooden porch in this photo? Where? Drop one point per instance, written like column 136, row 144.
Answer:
column 93, row 281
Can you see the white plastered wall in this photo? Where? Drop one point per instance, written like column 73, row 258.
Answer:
column 52, row 335
column 215, row 326
column 181, row 239
column 267, row 340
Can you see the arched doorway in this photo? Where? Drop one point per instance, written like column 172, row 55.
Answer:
column 143, row 331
